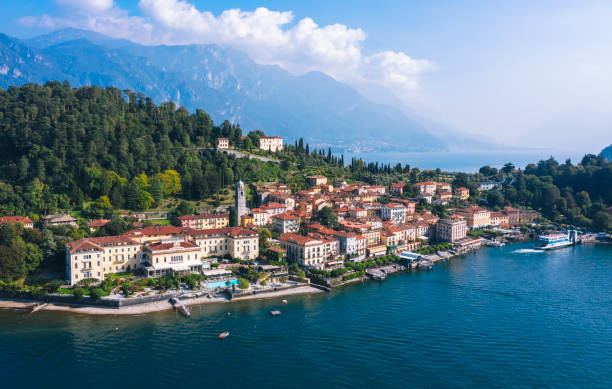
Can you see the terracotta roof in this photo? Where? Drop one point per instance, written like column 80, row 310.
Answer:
column 170, row 245
column 98, row 223
column 155, row 230
column 285, row 216
column 227, row 231
column 299, row 239
column 204, row 216
column 15, row 219
column 98, row 243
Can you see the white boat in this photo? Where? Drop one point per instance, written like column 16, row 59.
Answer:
column 553, row 241
column 223, row 335
column 275, row 313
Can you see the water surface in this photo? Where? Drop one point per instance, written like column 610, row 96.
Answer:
column 503, row 317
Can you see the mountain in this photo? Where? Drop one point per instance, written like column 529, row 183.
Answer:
column 607, row 153
column 225, row 83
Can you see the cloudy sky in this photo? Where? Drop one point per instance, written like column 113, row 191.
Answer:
column 523, row 72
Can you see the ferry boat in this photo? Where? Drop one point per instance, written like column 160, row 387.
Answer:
column 554, row 241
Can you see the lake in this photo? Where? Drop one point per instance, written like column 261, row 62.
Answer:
column 463, row 161
column 501, row 317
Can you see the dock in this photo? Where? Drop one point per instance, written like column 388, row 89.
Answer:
column 377, row 274
column 180, row 307
column 425, row 264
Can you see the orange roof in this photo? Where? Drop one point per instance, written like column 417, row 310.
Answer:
column 98, row 223
column 170, row 245
column 155, row 230
column 299, row 239
column 285, row 216
column 15, row 219
column 228, row 231
column 98, row 243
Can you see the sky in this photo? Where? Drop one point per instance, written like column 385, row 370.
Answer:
column 526, row 73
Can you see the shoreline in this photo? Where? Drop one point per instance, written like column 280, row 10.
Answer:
column 140, row 309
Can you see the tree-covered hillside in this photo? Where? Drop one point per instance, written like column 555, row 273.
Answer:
column 61, row 146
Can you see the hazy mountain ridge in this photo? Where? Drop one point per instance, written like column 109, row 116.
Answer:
column 223, row 82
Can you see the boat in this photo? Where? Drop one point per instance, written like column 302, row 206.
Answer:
column 284, row 301
column 553, row 241
column 223, row 335
column 275, row 313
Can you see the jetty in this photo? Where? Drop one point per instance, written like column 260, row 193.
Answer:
column 377, row 274
column 180, row 307
column 425, row 264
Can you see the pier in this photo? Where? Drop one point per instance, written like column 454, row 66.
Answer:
column 180, row 307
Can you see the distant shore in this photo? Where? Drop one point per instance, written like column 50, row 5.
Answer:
column 148, row 307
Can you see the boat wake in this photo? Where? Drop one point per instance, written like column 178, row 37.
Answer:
column 526, row 251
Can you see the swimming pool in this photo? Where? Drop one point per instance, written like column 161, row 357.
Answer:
column 220, row 284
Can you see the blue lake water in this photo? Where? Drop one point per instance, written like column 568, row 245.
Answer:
column 463, row 161
column 502, row 317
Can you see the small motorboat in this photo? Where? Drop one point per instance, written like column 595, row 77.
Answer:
column 284, row 301
column 275, row 313
column 223, row 335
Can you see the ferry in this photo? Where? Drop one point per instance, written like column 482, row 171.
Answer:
column 554, row 241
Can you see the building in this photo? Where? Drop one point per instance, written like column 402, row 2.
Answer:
column 397, row 188
column 173, row 256
column 307, row 251
column 348, row 242
column 247, row 220
column 237, row 242
column 285, row 223
column 205, row 221
column 462, row 193
column 443, row 187
column 97, row 257
column 27, row 223
column 427, row 188
column 528, row 216
column 395, row 212
column 451, row 230
column 154, row 234
column 488, row 185
column 444, row 197
column 316, row 180
column 499, row 219
column 271, row 143
column 60, row 219
column 513, row 216
column 95, row 225
column 223, row 143
column 475, row 216
column 260, row 217
column 240, row 201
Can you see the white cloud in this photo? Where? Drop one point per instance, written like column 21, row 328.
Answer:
column 268, row 37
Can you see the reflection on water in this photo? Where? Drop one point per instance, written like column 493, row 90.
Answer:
column 500, row 317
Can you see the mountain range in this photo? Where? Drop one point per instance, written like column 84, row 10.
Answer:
column 228, row 85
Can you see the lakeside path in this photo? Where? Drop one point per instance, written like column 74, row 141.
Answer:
column 150, row 307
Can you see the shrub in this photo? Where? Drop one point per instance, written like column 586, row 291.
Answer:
column 243, row 283
column 54, row 285
column 96, row 294
column 78, row 293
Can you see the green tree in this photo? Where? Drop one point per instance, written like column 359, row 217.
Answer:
column 78, row 293
column 602, row 221
column 96, row 294
column 264, row 235
column 243, row 283
column 327, row 217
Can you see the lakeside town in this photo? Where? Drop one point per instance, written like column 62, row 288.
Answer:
column 326, row 235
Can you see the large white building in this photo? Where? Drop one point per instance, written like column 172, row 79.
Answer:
column 395, row 212
column 236, row 242
column 97, row 257
column 172, row 256
column 271, row 143
column 307, row 251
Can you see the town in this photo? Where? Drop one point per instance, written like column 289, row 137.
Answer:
column 326, row 235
